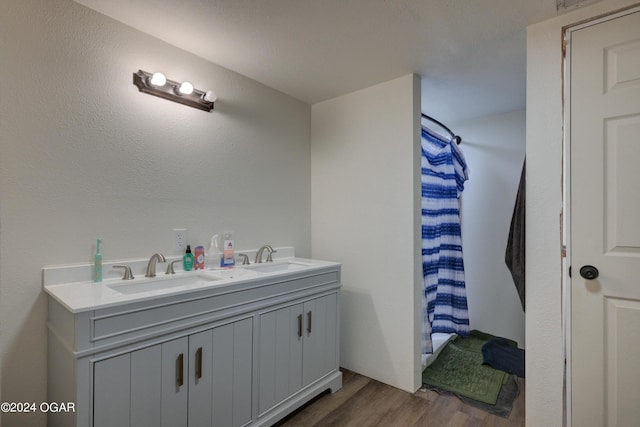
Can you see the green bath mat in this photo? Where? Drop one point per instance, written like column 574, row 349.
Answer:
column 459, row 369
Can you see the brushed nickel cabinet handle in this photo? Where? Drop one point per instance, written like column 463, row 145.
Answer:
column 199, row 363
column 309, row 323
column 299, row 326
column 180, row 370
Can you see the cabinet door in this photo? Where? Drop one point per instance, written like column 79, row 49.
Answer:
column 175, row 363
column 127, row 389
column 200, row 379
column 232, row 365
column 320, row 338
column 280, row 355
column 146, row 387
column 111, row 393
column 220, row 378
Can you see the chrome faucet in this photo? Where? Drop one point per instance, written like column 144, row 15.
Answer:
column 245, row 259
column 128, row 275
column 170, row 269
column 261, row 250
column 151, row 266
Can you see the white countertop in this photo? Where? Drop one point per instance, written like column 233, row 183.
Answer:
column 85, row 295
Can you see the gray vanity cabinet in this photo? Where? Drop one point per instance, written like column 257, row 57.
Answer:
column 200, row 380
column 298, row 346
column 233, row 355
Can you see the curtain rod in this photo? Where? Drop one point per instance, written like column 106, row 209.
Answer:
column 454, row 137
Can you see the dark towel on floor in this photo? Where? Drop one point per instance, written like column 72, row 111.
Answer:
column 500, row 354
column 514, row 255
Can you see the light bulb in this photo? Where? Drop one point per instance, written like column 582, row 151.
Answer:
column 158, row 79
column 210, row 96
column 186, row 88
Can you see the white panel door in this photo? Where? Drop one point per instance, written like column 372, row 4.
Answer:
column 605, row 222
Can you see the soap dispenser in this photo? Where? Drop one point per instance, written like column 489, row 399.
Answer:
column 187, row 259
column 228, row 258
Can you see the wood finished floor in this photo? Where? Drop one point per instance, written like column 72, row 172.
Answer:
column 364, row 402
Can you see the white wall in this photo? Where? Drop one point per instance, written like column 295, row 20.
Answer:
column 494, row 150
column 545, row 359
column 365, row 212
column 83, row 155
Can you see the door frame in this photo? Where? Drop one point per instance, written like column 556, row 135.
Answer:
column 566, row 189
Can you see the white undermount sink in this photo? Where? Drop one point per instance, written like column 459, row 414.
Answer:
column 192, row 281
column 269, row 267
column 159, row 282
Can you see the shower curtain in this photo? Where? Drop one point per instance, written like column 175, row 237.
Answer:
column 444, row 299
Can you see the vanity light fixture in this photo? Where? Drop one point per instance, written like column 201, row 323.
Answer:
column 184, row 93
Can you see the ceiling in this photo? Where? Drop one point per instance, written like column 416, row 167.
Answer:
column 471, row 54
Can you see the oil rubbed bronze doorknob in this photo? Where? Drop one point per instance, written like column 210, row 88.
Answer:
column 589, row 272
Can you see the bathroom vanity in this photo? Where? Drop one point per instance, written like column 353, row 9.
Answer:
column 240, row 347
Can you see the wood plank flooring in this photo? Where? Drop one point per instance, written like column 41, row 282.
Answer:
column 364, row 402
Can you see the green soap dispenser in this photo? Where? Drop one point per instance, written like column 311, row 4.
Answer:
column 187, row 259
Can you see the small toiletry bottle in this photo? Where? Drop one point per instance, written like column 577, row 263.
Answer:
column 228, row 259
column 187, row 259
column 97, row 263
column 198, row 253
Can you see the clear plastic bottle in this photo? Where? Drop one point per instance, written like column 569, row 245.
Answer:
column 213, row 254
column 228, row 255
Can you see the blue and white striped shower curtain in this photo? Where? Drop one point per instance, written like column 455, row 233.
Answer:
column 444, row 299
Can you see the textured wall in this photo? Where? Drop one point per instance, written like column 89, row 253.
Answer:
column 494, row 149
column 83, row 155
column 365, row 172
